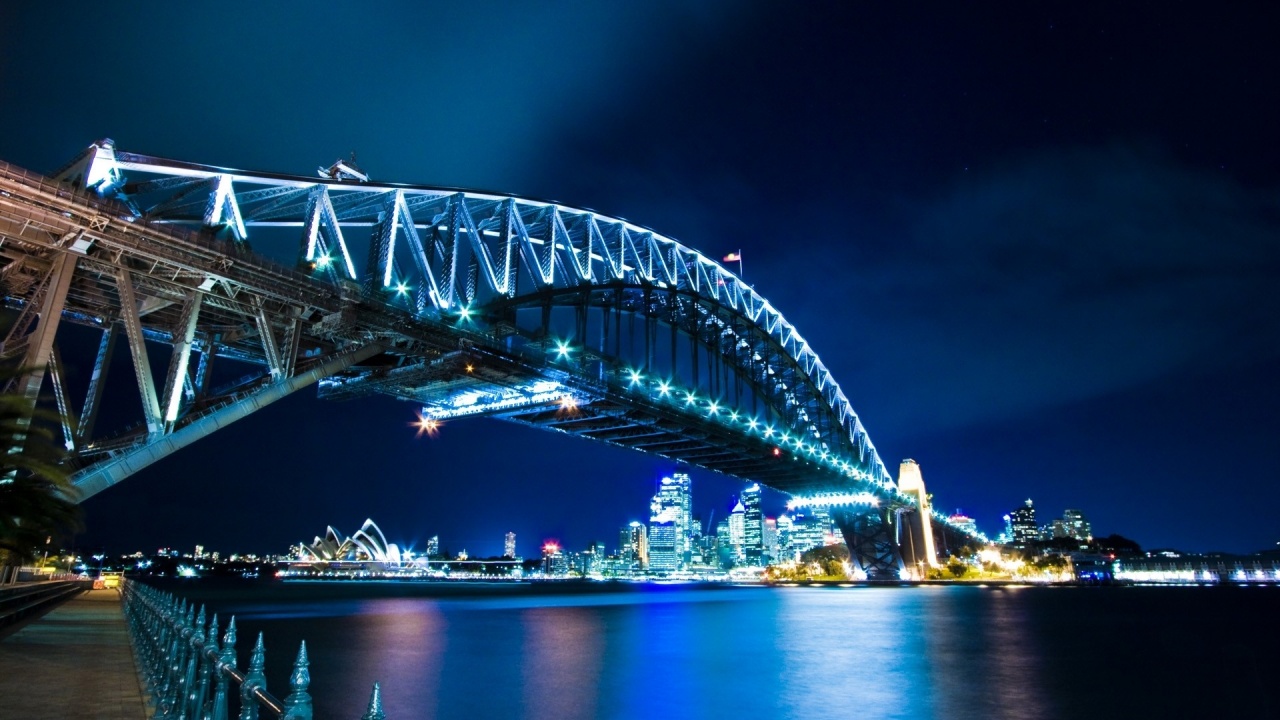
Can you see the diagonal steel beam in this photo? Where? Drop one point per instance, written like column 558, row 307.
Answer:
column 183, row 336
column 40, row 341
column 138, row 348
column 95, row 479
column 65, row 415
column 97, row 383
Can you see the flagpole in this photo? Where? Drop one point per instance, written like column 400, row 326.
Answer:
column 739, row 263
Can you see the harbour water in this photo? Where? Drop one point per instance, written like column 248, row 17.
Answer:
column 649, row 651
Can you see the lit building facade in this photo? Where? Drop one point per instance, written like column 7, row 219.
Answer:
column 964, row 522
column 1022, row 524
column 674, row 500
column 664, row 542
column 1076, row 526
column 770, row 539
column 509, row 545
column 752, row 526
column 634, row 550
column 738, row 532
column 554, row 561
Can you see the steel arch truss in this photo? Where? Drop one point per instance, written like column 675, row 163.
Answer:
column 443, row 252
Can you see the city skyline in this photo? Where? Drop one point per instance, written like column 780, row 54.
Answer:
column 1037, row 258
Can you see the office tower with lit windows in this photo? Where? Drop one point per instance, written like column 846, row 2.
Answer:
column 786, row 531
column 634, row 550
column 675, row 494
column 752, row 525
column 664, row 543
column 737, row 532
column 509, row 546
column 770, row 539
column 433, row 546
column 810, row 530
column 1076, row 526
column 554, row 561
column 1023, row 525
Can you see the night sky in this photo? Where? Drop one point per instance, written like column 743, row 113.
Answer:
column 1038, row 245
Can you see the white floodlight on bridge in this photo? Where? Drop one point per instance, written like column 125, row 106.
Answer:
column 833, row 500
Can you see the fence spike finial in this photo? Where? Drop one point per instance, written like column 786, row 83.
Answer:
column 297, row 706
column 375, row 705
column 211, row 642
column 253, row 680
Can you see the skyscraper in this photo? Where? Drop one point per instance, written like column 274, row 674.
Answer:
column 635, row 545
column 770, row 538
column 752, row 525
column 1023, row 524
column 675, row 494
column 737, row 532
column 1076, row 526
column 433, row 546
column 786, row 534
column 554, row 561
column 509, row 546
column 664, row 545
column 808, row 531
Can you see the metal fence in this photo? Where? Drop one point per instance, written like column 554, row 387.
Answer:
column 189, row 671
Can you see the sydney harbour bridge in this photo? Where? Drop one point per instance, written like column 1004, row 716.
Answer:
column 465, row 303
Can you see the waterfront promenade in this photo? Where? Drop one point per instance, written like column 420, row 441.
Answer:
column 74, row 662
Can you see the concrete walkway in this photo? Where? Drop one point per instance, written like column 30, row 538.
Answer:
column 75, row 662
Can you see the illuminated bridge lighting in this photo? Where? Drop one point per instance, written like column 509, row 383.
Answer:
column 833, row 499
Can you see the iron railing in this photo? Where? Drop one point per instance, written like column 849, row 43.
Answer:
column 189, row 671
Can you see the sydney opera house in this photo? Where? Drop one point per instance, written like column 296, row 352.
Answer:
column 368, row 546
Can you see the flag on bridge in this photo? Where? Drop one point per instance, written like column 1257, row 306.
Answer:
column 733, row 257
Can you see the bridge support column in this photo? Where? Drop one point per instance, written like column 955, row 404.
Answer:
column 40, row 343
column 915, row 533
column 872, row 539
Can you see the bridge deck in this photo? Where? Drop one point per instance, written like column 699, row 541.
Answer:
column 74, row 662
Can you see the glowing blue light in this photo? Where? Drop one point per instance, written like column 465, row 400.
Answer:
column 562, row 348
column 690, row 399
column 733, row 415
column 636, row 377
column 323, row 261
column 768, row 431
column 752, row 423
column 402, row 289
column 713, row 408
column 464, row 313
column 664, row 388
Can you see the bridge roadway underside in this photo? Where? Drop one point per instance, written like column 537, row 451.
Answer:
column 606, row 412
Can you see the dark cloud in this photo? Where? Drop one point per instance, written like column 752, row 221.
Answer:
column 1059, row 277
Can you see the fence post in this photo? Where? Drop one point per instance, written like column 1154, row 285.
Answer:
column 208, row 660
column 226, row 661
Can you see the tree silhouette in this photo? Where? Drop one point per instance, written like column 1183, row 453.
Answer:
column 37, row 500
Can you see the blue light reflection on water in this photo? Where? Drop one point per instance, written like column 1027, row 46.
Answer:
column 930, row 652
